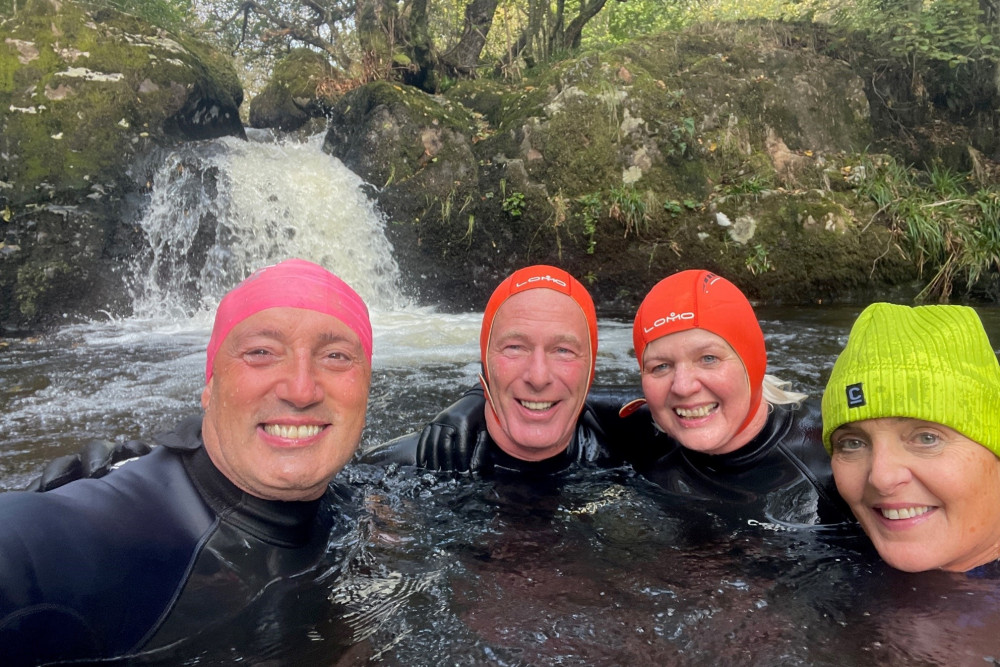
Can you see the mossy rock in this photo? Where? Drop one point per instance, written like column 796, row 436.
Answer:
column 416, row 150
column 79, row 90
column 88, row 99
column 295, row 92
column 617, row 162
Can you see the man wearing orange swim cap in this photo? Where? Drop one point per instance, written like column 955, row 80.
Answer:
column 538, row 346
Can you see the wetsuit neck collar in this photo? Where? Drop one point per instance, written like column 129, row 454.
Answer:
column 285, row 524
column 499, row 459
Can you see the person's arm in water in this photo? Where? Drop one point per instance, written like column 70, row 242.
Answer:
column 448, row 442
column 454, row 440
column 632, row 437
column 96, row 459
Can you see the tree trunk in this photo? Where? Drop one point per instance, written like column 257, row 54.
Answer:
column 574, row 31
column 463, row 59
column 545, row 32
column 375, row 25
column 423, row 72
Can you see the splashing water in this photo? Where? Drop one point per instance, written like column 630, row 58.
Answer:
column 222, row 209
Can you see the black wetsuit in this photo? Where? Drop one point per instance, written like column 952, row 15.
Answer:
column 782, row 476
column 456, row 440
column 156, row 554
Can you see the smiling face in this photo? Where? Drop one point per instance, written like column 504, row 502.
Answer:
column 698, row 392
column 927, row 496
column 286, row 403
column 539, row 361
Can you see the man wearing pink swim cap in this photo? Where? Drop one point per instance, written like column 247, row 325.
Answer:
column 212, row 526
column 538, row 347
column 288, row 370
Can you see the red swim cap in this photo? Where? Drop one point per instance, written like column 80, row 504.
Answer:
column 294, row 283
column 698, row 299
column 535, row 277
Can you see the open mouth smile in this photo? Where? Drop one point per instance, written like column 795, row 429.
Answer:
column 538, row 406
column 293, row 432
column 904, row 512
column 695, row 413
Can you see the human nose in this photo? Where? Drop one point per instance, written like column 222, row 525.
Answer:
column 888, row 469
column 538, row 373
column 299, row 386
column 685, row 381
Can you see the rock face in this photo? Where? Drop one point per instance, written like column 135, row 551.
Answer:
column 87, row 99
column 734, row 150
column 296, row 92
column 720, row 151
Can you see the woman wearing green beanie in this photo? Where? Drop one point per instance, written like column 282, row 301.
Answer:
column 911, row 417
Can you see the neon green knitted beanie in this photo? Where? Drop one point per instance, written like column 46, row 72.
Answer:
column 930, row 362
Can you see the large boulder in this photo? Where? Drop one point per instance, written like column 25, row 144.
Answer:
column 87, row 99
column 302, row 86
column 715, row 149
column 416, row 151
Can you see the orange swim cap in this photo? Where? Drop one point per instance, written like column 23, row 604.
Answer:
column 540, row 276
column 699, row 299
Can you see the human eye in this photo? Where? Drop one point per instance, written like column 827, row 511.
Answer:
column 514, row 349
column 847, row 445
column 566, row 351
column 658, row 368
column 258, row 355
column 338, row 360
column 709, row 359
column 926, row 439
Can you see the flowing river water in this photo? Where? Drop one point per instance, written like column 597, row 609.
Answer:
column 595, row 569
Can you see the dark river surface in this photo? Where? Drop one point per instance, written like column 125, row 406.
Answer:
column 595, row 568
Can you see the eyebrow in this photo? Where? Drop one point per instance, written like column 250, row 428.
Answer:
column 714, row 347
column 561, row 338
column 260, row 333
column 326, row 338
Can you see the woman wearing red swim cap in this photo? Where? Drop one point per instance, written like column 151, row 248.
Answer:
column 726, row 431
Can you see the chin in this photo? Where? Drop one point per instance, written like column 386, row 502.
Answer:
column 537, row 446
column 911, row 562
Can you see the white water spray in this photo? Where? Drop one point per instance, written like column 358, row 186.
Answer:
column 222, row 209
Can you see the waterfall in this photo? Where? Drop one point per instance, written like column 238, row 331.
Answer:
column 223, row 208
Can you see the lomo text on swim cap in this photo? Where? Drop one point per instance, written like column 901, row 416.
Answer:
column 546, row 277
column 672, row 317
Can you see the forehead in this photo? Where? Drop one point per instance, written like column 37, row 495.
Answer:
column 684, row 342
column 538, row 309
column 291, row 323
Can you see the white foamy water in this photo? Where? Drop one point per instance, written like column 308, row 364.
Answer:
column 220, row 210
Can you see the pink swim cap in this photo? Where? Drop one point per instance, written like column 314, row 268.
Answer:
column 294, row 283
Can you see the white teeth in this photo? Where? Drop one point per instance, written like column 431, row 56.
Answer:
column 697, row 412
column 537, row 405
column 905, row 513
column 292, row 432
